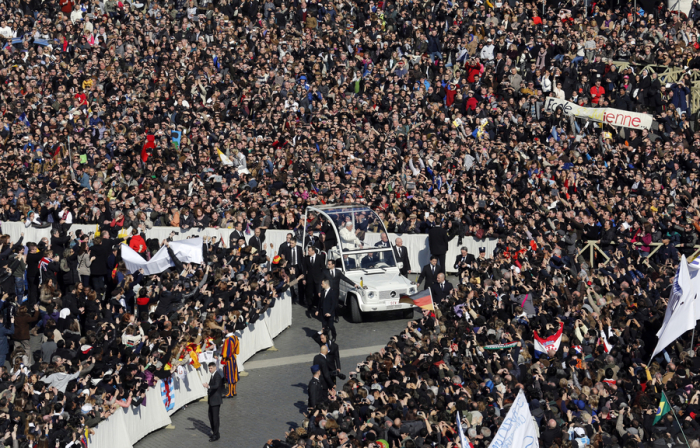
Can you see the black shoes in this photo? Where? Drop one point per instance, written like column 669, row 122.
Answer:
column 214, row 438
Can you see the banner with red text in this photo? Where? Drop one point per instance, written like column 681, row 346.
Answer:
column 607, row 115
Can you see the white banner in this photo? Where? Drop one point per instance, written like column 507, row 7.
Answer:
column 518, row 428
column 607, row 115
column 187, row 251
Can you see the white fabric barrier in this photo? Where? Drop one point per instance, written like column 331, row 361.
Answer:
column 279, row 317
column 417, row 245
column 256, row 337
column 143, row 420
column 187, row 389
column 111, row 433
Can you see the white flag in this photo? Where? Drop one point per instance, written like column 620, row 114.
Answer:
column 680, row 313
column 518, row 428
column 694, row 271
column 463, row 439
column 187, row 251
column 677, row 292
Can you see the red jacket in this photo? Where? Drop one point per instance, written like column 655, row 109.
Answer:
column 138, row 244
column 597, row 93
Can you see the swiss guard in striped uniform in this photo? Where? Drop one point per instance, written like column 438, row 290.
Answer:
column 229, row 350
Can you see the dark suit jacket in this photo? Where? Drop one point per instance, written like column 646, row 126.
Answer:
column 316, row 393
column 440, row 293
column 428, row 275
column 402, row 257
column 256, row 242
column 314, row 272
column 335, row 279
column 333, row 358
column 235, row 236
column 288, row 255
column 216, row 387
column 326, row 380
column 101, row 254
column 438, row 240
column 327, row 302
column 469, row 259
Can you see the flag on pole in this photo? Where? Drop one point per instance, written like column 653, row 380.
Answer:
column 463, row 439
column 518, row 429
column 422, row 299
column 680, row 310
column 224, row 158
column 663, row 408
column 549, row 344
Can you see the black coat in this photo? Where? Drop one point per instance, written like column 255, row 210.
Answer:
column 326, row 380
column 256, row 242
column 439, row 292
column 327, row 302
column 428, row 275
column 402, row 257
column 469, row 259
column 316, row 392
column 314, row 271
column 216, row 388
column 438, row 241
column 101, row 253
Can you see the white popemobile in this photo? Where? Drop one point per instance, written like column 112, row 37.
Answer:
column 357, row 248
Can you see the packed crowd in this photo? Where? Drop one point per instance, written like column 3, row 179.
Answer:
column 238, row 114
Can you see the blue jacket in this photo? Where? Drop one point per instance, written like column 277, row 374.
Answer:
column 4, row 333
column 680, row 96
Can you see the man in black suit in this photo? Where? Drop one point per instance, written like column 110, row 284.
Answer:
column 295, row 258
column 284, row 247
column 326, row 307
column 429, row 273
column 321, row 360
column 438, row 242
column 333, row 358
column 236, row 235
column 215, row 386
column 313, row 274
column 258, row 239
column 383, row 241
column 334, row 276
column 441, row 288
column 464, row 260
column 402, row 257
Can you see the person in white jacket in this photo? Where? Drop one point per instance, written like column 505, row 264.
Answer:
column 487, row 51
column 546, row 82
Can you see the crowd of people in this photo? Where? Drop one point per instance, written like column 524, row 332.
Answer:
column 239, row 114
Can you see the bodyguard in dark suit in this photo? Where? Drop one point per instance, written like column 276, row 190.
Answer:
column 258, row 239
column 333, row 357
column 441, row 288
column 438, row 242
column 464, row 261
column 313, row 274
column 334, row 276
column 402, row 257
column 236, row 235
column 216, row 387
column 321, row 361
column 429, row 273
column 326, row 307
column 295, row 257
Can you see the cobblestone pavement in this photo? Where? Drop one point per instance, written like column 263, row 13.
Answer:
column 271, row 398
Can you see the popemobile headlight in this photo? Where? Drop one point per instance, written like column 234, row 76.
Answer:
column 371, row 294
column 412, row 290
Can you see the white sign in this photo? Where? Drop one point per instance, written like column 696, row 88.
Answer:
column 518, row 429
column 607, row 115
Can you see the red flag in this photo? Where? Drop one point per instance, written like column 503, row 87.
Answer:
column 150, row 139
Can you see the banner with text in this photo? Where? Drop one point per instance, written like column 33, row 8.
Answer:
column 518, row 428
column 607, row 115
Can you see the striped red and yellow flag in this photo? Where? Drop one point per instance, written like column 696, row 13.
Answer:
column 422, row 299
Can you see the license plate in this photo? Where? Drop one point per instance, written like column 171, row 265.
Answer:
column 392, row 302
column 391, row 307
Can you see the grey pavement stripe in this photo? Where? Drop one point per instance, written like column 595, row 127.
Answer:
column 309, row 357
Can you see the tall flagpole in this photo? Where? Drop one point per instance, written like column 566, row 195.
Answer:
column 670, row 405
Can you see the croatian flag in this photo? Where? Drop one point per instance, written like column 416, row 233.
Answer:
column 167, row 391
column 577, row 349
column 549, row 345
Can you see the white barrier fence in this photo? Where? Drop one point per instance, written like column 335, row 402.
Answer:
column 417, row 245
column 129, row 425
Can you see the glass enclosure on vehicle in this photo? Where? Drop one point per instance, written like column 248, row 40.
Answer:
column 352, row 236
